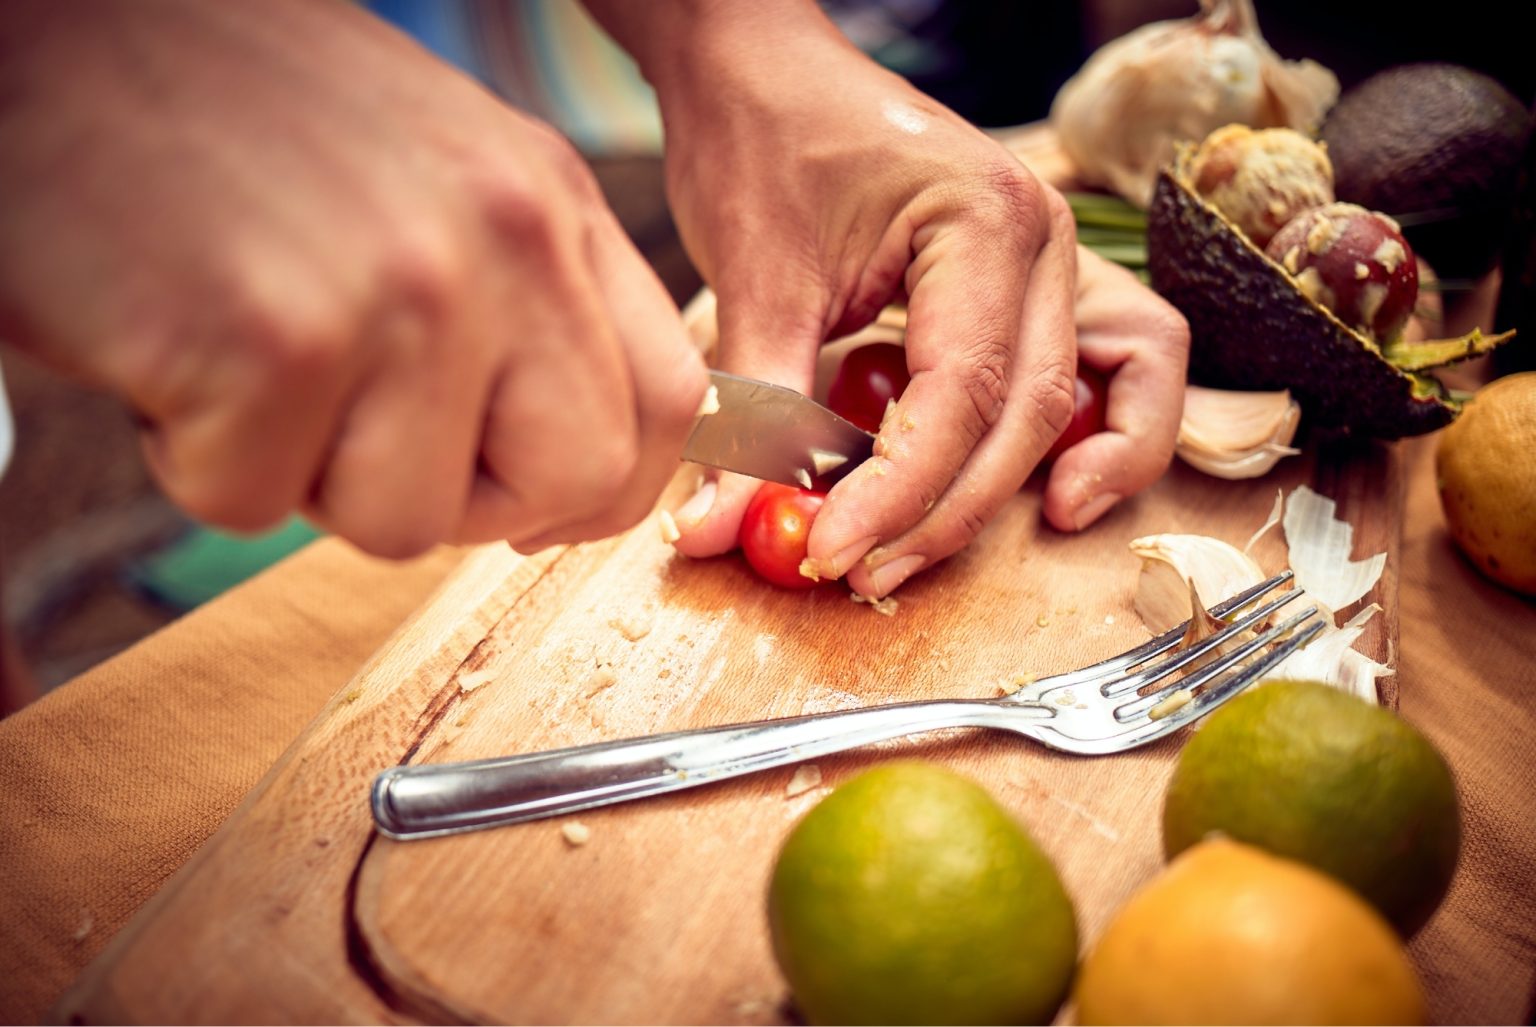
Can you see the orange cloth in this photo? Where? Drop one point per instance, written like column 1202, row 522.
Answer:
column 113, row 781
column 110, row 783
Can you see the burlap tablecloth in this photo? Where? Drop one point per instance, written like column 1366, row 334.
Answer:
column 113, row 781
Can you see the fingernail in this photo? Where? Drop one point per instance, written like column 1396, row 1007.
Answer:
column 888, row 576
column 847, row 557
column 698, row 505
column 1095, row 508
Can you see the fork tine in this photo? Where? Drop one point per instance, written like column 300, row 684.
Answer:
column 1151, row 730
column 1169, row 639
column 1183, row 658
column 1130, row 711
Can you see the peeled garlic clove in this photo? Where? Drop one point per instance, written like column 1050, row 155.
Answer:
column 1120, row 115
column 1320, row 545
column 1173, row 564
column 1234, row 435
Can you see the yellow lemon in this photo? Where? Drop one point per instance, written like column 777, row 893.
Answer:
column 1487, row 479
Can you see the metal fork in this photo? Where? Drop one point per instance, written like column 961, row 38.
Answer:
column 1105, row 708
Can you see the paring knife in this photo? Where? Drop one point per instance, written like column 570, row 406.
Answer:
column 776, row 434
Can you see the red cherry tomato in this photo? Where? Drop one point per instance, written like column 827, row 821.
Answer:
column 1089, row 402
column 868, row 378
column 774, row 531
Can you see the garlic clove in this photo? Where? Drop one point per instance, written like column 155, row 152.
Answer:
column 1120, row 115
column 1254, row 463
column 1173, row 565
column 1235, row 435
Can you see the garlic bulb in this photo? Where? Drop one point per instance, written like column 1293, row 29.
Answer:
column 1120, row 115
column 1236, row 435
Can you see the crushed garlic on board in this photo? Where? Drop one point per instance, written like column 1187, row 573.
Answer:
column 806, row 777
column 575, row 833
column 886, row 606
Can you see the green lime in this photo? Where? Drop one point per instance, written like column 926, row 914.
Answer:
column 1307, row 771
column 908, row 895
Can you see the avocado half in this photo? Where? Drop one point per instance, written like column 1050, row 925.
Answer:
column 1251, row 328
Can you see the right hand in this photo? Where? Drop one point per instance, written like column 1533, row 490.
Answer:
column 332, row 275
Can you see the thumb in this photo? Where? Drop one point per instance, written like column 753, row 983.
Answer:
column 773, row 338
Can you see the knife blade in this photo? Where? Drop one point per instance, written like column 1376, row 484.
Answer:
column 770, row 432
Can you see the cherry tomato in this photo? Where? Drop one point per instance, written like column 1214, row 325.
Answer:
column 1089, row 402
column 774, row 531
column 868, row 378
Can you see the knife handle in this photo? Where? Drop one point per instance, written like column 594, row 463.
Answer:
column 446, row 798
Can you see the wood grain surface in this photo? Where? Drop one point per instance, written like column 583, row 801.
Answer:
column 296, row 911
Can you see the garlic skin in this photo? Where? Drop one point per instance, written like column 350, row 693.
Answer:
column 1236, row 435
column 1331, row 658
column 1319, row 546
column 1180, row 571
column 1120, row 115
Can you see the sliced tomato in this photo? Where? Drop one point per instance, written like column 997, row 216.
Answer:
column 869, row 377
column 774, row 531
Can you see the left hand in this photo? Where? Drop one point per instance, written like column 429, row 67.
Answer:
column 812, row 188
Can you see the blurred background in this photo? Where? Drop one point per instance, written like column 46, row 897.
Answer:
column 93, row 559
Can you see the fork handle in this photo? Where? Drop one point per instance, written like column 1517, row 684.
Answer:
column 446, row 798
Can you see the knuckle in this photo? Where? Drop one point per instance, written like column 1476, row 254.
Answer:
column 423, row 271
column 985, row 380
column 1053, row 394
column 1015, row 197
column 968, row 524
column 512, row 193
column 289, row 343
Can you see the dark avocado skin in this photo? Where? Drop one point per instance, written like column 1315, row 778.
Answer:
column 1252, row 329
column 1432, row 137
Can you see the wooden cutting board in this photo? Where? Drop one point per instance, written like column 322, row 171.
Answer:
column 296, row 911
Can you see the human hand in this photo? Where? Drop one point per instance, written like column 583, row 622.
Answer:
column 812, row 188
column 1140, row 344
column 331, row 274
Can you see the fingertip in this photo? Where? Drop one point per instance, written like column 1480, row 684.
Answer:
column 709, row 521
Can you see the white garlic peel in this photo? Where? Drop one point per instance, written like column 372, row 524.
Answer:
column 1236, row 435
column 1330, row 658
column 1172, row 564
column 1119, row 117
column 1174, row 567
column 1319, row 549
